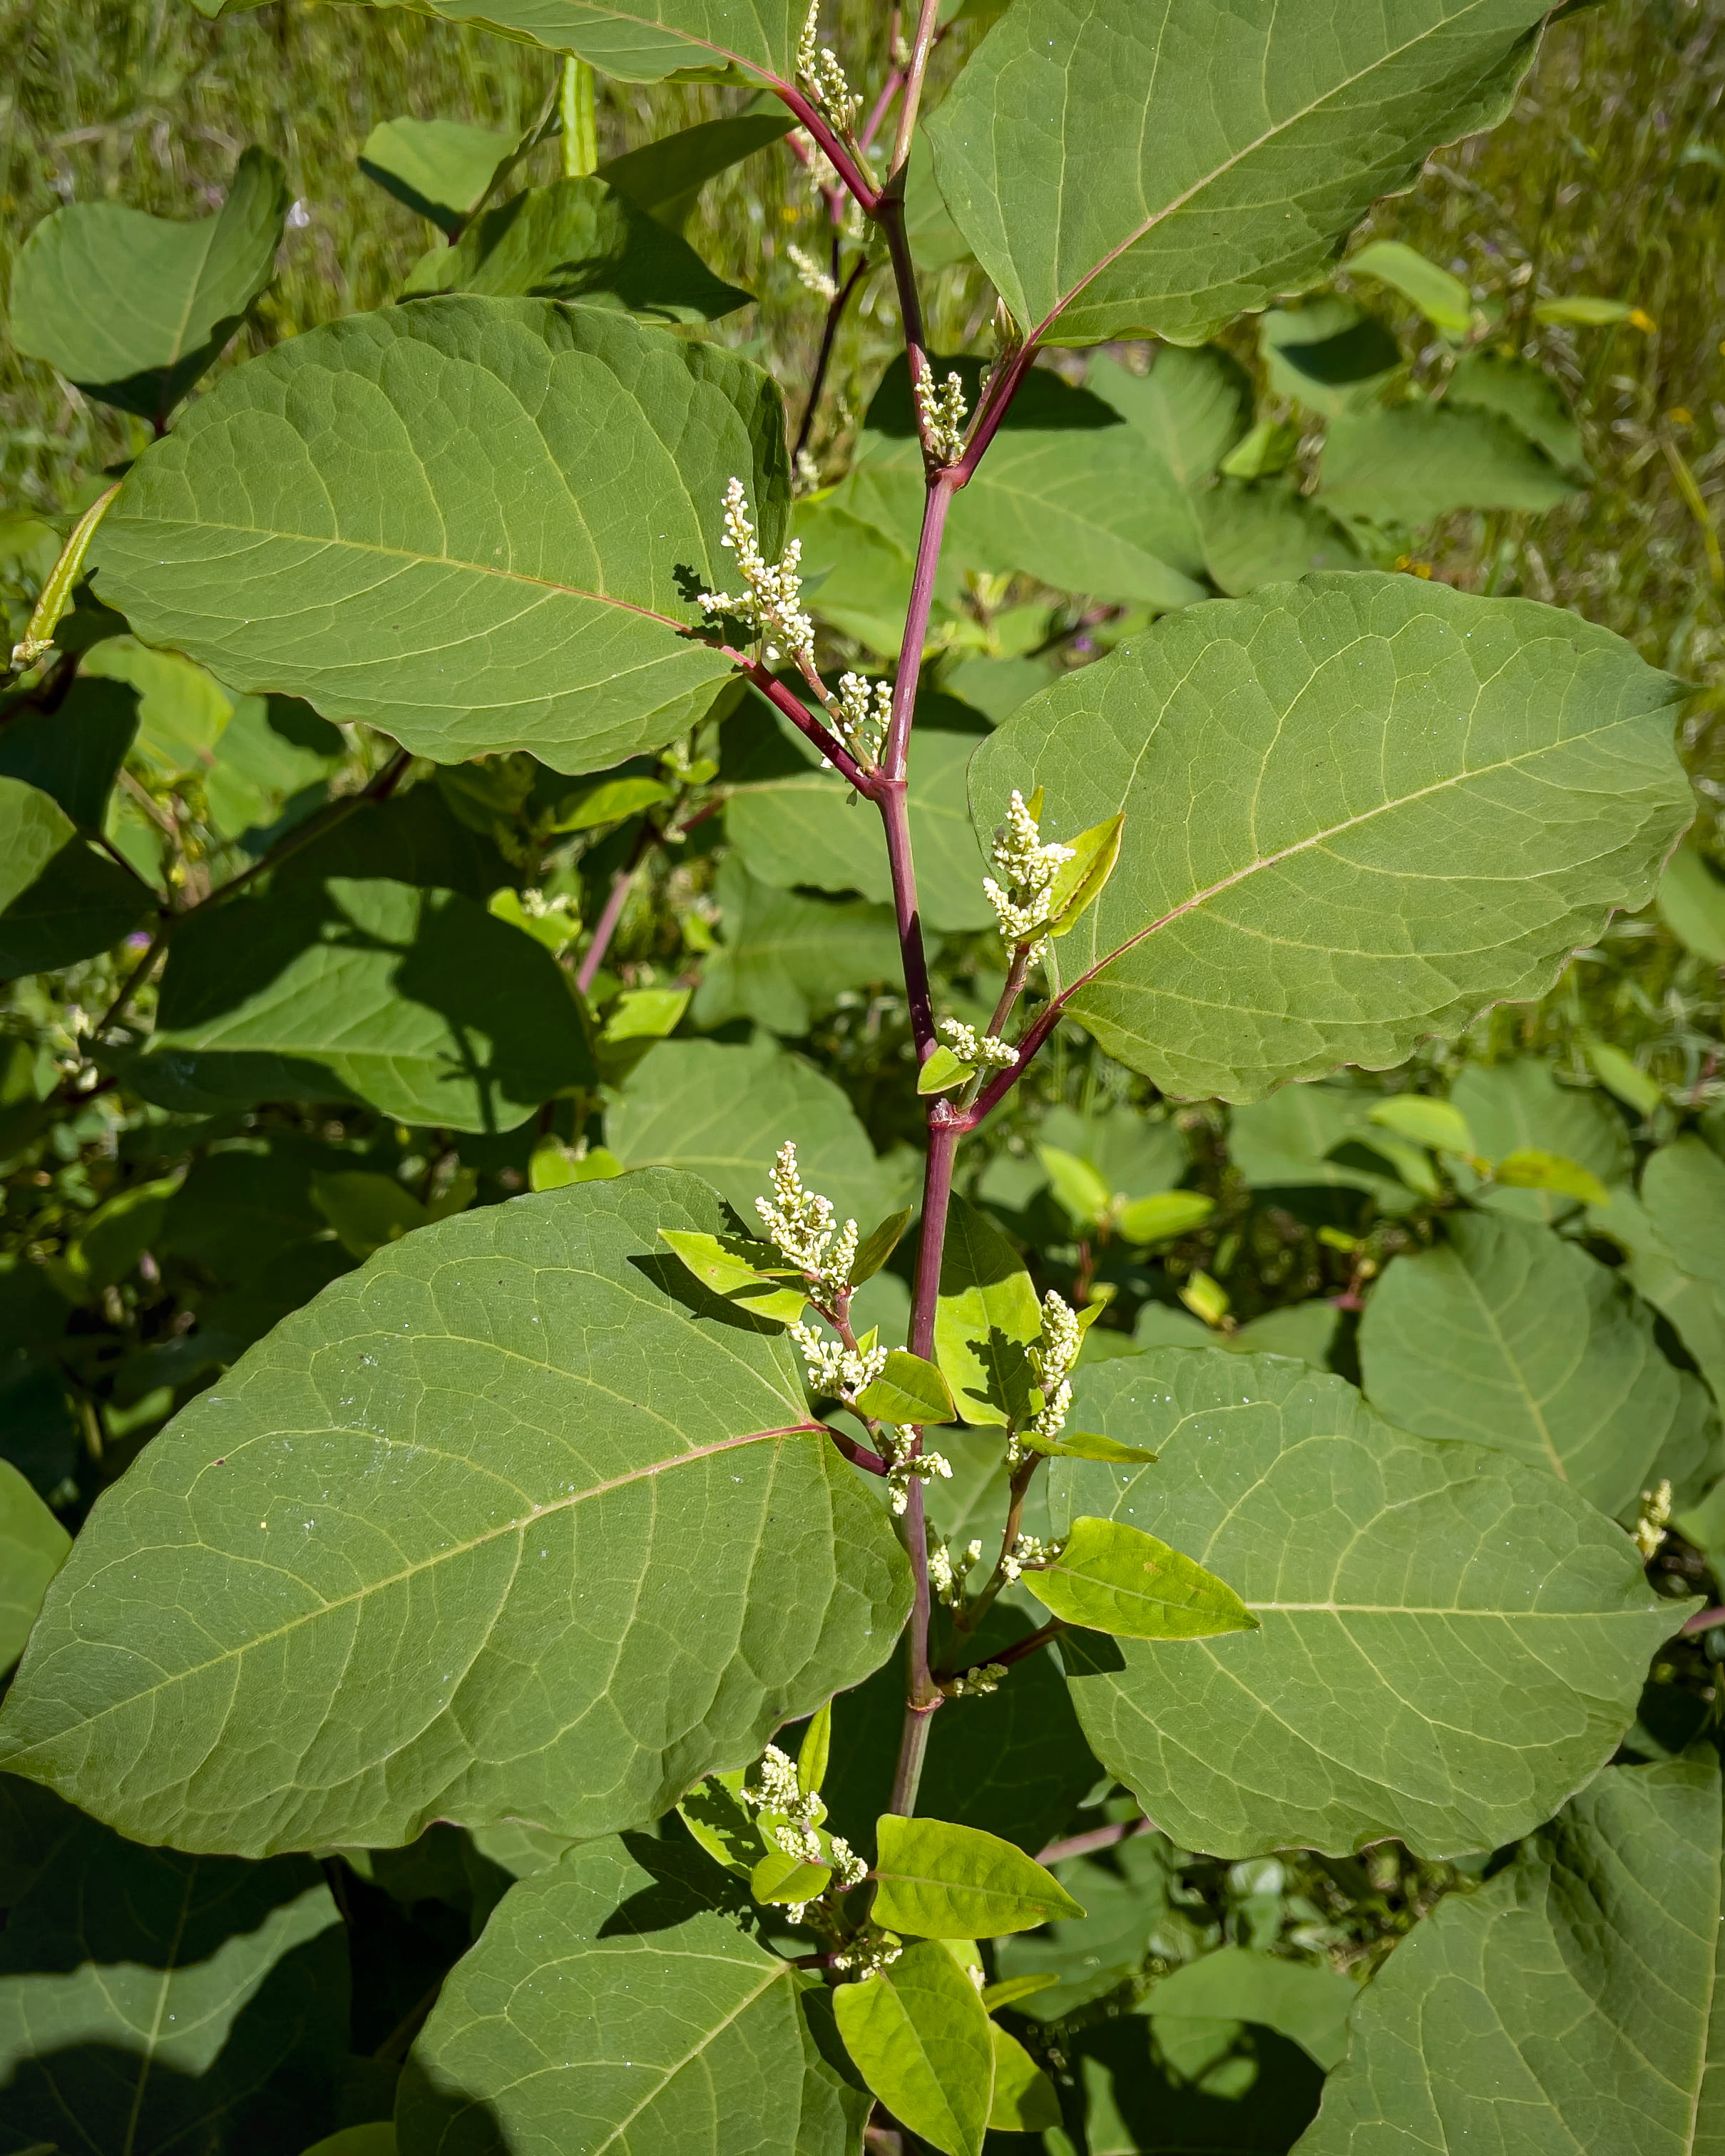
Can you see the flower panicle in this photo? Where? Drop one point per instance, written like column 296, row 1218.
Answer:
column 771, row 601
column 1021, row 891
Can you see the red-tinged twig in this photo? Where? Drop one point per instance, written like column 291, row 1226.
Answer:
column 1703, row 1620
column 800, row 716
column 858, row 1455
column 835, row 314
column 1098, row 1838
column 605, row 927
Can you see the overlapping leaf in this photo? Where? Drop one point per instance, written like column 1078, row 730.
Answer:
column 319, row 525
column 784, row 959
column 1128, row 166
column 1356, row 809
column 1450, row 1641
column 33, row 1548
column 1416, row 462
column 646, row 40
column 1511, row 1106
column 482, row 1534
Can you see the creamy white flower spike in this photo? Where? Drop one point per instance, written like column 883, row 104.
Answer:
column 943, row 410
column 813, row 278
column 771, row 600
column 834, row 1368
column 819, row 68
column 1052, row 1357
column 924, row 1468
column 862, row 715
column 1029, row 1550
column 986, row 1051
column 1021, row 893
column 802, row 1227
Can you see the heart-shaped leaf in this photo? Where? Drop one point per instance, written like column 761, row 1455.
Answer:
column 919, row 2036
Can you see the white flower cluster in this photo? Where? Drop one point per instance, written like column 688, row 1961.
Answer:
column 834, row 1368
column 1029, row 1550
column 802, row 1226
column 815, row 279
column 1652, row 1521
column 870, row 1951
column 984, row 1051
column 947, row 1569
column 943, row 412
column 975, row 1683
column 799, row 1813
column 1023, row 897
column 825, row 78
column 862, row 715
column 1055, row 1355
column 772, row 599
column 922, row 1467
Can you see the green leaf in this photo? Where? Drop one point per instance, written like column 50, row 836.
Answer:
column 653, row 39
column 986, row 1319
column 1416, row 462
column 724, row 1112
column 715, row 1814
column 182, row 711
column 1621, row 1075
column 1083, row 1444
column 1096, row 219
column 72, row 752
column 1079, row 882
column 609, row 802
column 878, row 1245
column 859, row 578
column 1586, row 310
column 1683, row 1187
column 1269, row 450
column 615, row 1997
column 801, row 827
column 1572, row 1991
column 942, row 1881
column 1443, row 299
column 1418, row 802
column 740, row 1271
column 784, row 960
column 1084, row 1193
column 367, row 1210
column 154, row 2002
column 1115, row 1579
column 1269, row 534
column 32, row 1548
column 1314, row 1135
column 1328, row 354
column 1191, row 407
column 35, row 828
column 578, row 241
column 1436, row 1124
column 1529, row 1167
column 815, row 1751
column 1167, row 1213
column 942, row 1071
column 919, row 2036
column 1692, row 904
column 1519, row 1106
column 133, row 308
column 439, row 168
column 659, row 175
column 378, row 576
column 375, row 2138
column 1525, row 395
column 1671, row 1214
column 1303, row 2001
column 517, row 1468
column 1024, row 2101
column 1385, row 1572
column 1509, row 1337
column 1125, row 1892
column 1009, row 1992
column 782, row 1878
column 416, row 1002
column 59, row 900
column 908, row 1390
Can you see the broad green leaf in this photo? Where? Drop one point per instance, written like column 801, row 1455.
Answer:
column 1573, row 1994
column 439, row 168
column 1303, row 2001
column 646, row 40
column 1314, row 1135
column 723, row 1113
column 1683, row 1188
column 1192, row 407
column 942, row 1881
column 35, row 828
column 1442, row 298
column 1126, row 1892
column 919, row 2036
column 1640, row 1226
column 805, row 826
column 488, row 588
column 1130, row 1150
column 1079, row 882
column 740, row 1271
column 1525, row 395
column 1516, row 1107
column 857, row 577
column 1530, row 1168
column 182, row 711
column 1225, row 2087
column 715, row 1814
column 614, row 2002
column 33, row 1548
column 1620, row 1074
column 1122, row 167
column 1024, row 2101
column 782, row 1878
column 784, row 960
column 1436, row 1124
column 1416, row 462
column 60, row 901
column 1692, row 904
column 518, row 1469
column 1386, row 1573
column 661, row 175
column 1167, row 1213
column 1508, row 1337
column 417, row 1002
column 115, row 1235
column 1328, row 355
column 1268, row 450
column 72, row 752
column 153, row 2003
column 986, row 1320
column 609, row 802
column 272, row 749
column 908, row 1390
column 1401, row 803
column 878, row 1245
column 1083, row 1444
column 1589, row 310
column 365, row 1210
column 1269, row 533
column 578, row 241
column 1112, row 1578
column 133, row 308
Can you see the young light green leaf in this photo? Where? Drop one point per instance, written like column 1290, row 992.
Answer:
column 942, row 1071
column 1520, row 1105
column 1012, row 1988
column 439, row 168
column 940, row 1882
column 1084, row 1193
column 578, row 241
column 715, row 1814
column 1530, row 1167
column 1084, row 1445
column 652, row 39
column 1436, row 1124
column 1269, row 450
column 1206, row 1298
column 1099, row 223
column 780, row 1878
column 784, row 959
column 514, row 1433
column 1442, row 298
column 1024, row 2099
column 1575, row 1985
column 1619, row 1074
column 535, row 611
column 745, row 1272
column 1112, row 1578
column 986, row 1320
column 1360, row 829
column 32, row 1548
column 35, row 828
column 1384, row 1571
column 1079, row 882
column 365, row 1210
column 609, row 802
column 1692, row 904
column 133, row 308
column 1416, row 462
column 1166, row 1213
column 1510, row 1337
column 908, row 1390
column 1589, row 311
column 617, row 1991
column 815, row 1750
column 1328, row 355
column 878, row 1245
column 555, row 1166
column 919, row 2036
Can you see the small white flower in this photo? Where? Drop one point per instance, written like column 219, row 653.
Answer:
column 834, row 1368
column 801, row 1225
column 943, row 412
column 1029, row 1550
column 815, row 279
column 862, row 714
column 1023, row 897
column 983, row 1051
column 771, row 600
column 821, row 69
column 922, row 1468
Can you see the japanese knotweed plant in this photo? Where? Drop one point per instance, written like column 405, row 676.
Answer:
column 552, row 1515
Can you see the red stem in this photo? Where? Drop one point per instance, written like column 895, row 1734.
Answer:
column 997, row 402
column 605, row 927
column 800, row 714
column 837, row 155
column 1099, row 1837
column 858, row 1455
column 1006, row 1656
column 891, row 796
